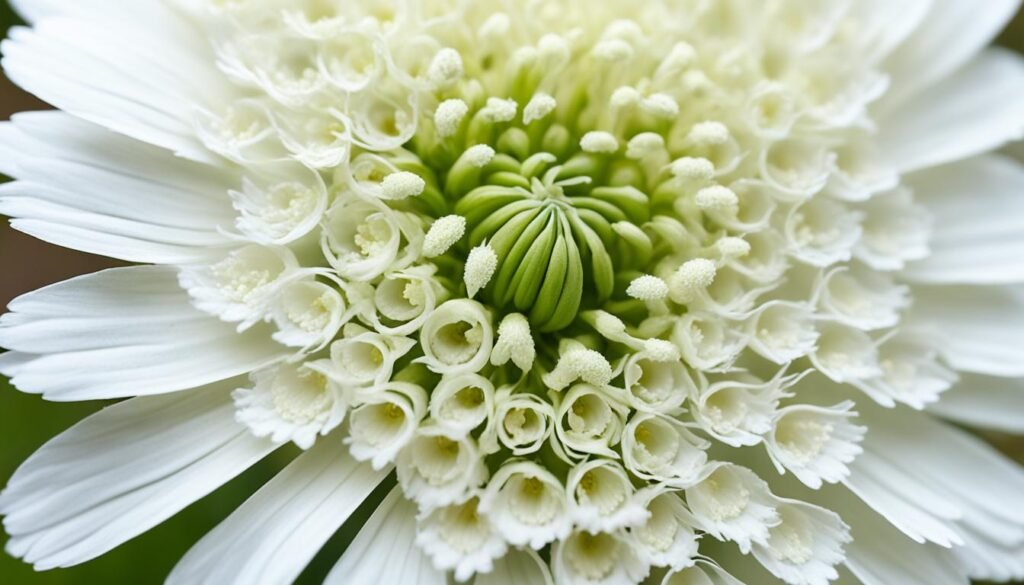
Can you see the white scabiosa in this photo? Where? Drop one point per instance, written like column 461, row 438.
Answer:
column 600, row 283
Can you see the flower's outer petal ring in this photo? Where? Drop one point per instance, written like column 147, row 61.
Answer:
column 951, row 34
column 122, row 332
column 84, row 187
column 978, row 214
column 975, row 110
column 985, row 402
column 384, row 551
column 270, row 538
column 122, row 471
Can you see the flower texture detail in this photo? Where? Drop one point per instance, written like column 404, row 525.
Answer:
column 582, row 293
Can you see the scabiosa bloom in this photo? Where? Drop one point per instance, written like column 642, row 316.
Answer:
column 587, row 293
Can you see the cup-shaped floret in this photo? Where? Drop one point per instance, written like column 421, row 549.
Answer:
column 585, row 558
column 527, row 504
column 815, row 443
column 806, row 546
column 457, row 337
column 601, row 497
column 460, row 538
column 666, row 538
column 385, row 422
column 461, row 403
column 589, row 422
column 436, row 470
column 662, row 449
column 733, row 503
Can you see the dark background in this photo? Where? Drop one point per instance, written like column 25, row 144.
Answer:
column 26, row 422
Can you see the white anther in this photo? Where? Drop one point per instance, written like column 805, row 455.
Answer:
column 579, row 364
column 717, row 198
column 613, row 50
column 599, row 142
column 478, row 155
column 449, row 115
column 625, row 96
column 554, row 48
column 733, row 247
column 498, row 110
column 693, row 169
column 661, row 105
column 679, row 59
column 443, row 234
column 402, row 185
column 660, row 350
column 540, row 106
column 648, row 288
column 709, row 133
column 446, row 68
column 514, row 342
column 693, row 276
column 495, row 26
column 644, row 145
column 480, row 267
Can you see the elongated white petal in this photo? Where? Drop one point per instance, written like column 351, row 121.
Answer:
column 85, row 187
column 270, row 538
column 122, row 471
column 984, row 402
column 975, row 329
column 806, row 546
column 385, row 550
column 105, row 336
column 980, row 240
column 969, row 113
column 951, row 33
column 518, row 566
column 151, row 94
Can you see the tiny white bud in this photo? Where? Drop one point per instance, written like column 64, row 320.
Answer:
column 479, row 155
column 443, row 234
column 733, row 247
column 625, row 96
column 709, row 133
column 402, row 185
column 660, row 350
column 495, row 26
column 599, row 142
column 540, row 106
column 613, row 50
column 648, row 288
column 554, row 48
column 480, row 267
column 498, row 110
column 446, row 68
column 449, row 115
column 514, row 342
column 693, row 276
column 693, row 169
column 718, row 198
column 644, row 145
column 661, row 105
column 579, row 364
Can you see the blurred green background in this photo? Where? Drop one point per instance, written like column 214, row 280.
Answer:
column 26, row 422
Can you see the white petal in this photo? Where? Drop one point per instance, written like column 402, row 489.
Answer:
column 518, row 566
column 880, row 555
column 272, row 536
column 973, row 111
column 122, row 471
column 84, row 187
column 979, row 211
column 976, row 329
column 385, row 551
column 985, row 402
column 122, row 332
column 952, row 32
column 141, row 83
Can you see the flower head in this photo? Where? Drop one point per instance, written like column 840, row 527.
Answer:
column 602, row 283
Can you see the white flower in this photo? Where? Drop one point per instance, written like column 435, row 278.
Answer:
column 554, row 264
column 436, row 470
column 527, row 504
column 385, row 422
column 290, row 403
column 457, row 337
column 460, row 538
column 733, row 503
